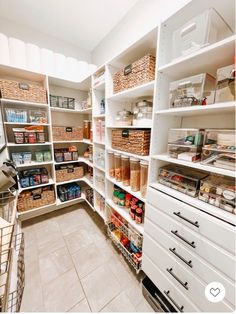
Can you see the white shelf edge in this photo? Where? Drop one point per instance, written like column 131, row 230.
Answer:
column 99, row 168
column 99, row 143
column 27, row 123
column 74, row 141
column 22, row 102
column 51, row 182
column 128, row 127
column 195, row 202
column 128, row 154
column 35, row 144
column 34, row 163
column 195, row 165
column 123, row 212
column 27, row 212
column 127, row 189
column 84, row 179
column 99, row 192
column 100, row 86
column 97, row 116
column 80, row 159
column 82, row 111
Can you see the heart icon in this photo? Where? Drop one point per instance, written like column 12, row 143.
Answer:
column 215, row 291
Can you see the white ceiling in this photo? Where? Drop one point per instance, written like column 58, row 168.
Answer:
column 83, row 23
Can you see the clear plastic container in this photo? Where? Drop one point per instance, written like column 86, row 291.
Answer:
column 202, row 30
column 143, row 177
column 225, row 89
column 125, row 170
column 192, row 91
column 142, row 112
column 185, row 144
column 117, row 162
column 111, row 164
column 134, row 174
column 219, row 148
column 123, row 118
column 86, row 129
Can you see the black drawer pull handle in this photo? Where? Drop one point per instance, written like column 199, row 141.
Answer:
column 184, row 284
column 195, row 224
column 192, row 244
column 179, row 308
column 189, row 263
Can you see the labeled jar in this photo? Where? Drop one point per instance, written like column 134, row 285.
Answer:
column 143, row 177
column 86, row 129
column 125, row 170
column 111, row 164
column 134, row 174
column 117, row 161
column 139, row 215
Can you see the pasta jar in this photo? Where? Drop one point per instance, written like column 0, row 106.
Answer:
column 111, row 164
column 86, row 129
column 143, row 177
column 125, row 170
column 117, row 161
column 134, row 174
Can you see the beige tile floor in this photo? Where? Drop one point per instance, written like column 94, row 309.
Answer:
column 72, row 266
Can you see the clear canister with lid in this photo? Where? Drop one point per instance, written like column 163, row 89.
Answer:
column 143, row 177
column 123, row 118
column 134, row 174
column 125, row 170
column 111, row 164
column 117, row 162
column 86, row 129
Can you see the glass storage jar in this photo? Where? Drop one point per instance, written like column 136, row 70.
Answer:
column 125, row 170
column 123, row 118
column 143, row 177
column 111, row 164
column 86, row 129
column 142, row 111
column 134, row 174
column 117, row 161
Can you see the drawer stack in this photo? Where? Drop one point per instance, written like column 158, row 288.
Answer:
column 184, row 250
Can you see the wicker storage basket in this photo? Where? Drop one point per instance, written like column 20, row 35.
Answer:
column 137, row 73
column 132, row 141
column 69, row 174
column 62, row 133
column 23, row 91
column 36, row 198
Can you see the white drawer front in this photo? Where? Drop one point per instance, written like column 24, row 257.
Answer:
column 187, row 258
column 221, row 259
column 184, row 279
column 174, row 295
column 210, row 227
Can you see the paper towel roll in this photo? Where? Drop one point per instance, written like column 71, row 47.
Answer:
column 72, row 66
column 33, row 57
column 82, row 70
column 6, row 181
column 92, row 68
column 4, row 50
column 46, row 61
column 59, row 65
column 17, row 51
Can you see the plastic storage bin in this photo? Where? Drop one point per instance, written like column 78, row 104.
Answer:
column 134, row 174
column 111, row 164
column 203, row 30
column 38, row 116
column 218, row 191
column 16, row 115
column 182, row 179
column 219, row 148
column 123, row 118
column 185, row 144
column 143, row 177
column 125, row 170
column 191, row 91
column 225, row 89
column 117, row 162
column 99, row 157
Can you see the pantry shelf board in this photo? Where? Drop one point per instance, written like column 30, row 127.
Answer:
column 34, row 163
column 39, row 210
column 91, row 206
column 135, row 92
column 99, row 168
column 125, row 214
column 195, row 202
column 207, row 59
column 97, row 116
column 74, row 141
column 199, row 110
column 100, row 213
column 83, row 85
column 80, row 159
column 8, row 70
column 128, row 127
column 128, row 154
column 21, row 102
column 87, row 142
column 100, row 86
column 99, row 191
column 83, row 179
column 82, row 111
column 50, row 182
column 27, row 123
column 126, row 188
column 27, row 144
column 195, row 165
column 99, row 143
column 70, row 202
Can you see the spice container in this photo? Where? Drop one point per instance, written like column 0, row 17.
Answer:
column 125, row 170
column 111, row 163
column 117, row 162
column 225, row 89
column 123, row 118
column 134, row 174
column 143, row 177
column 86, row 129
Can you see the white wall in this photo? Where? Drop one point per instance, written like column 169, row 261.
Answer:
column 42, row 40
column 142, row 17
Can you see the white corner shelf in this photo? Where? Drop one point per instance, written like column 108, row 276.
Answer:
column 73, row 141
column 70, row 202
column 98, row 167
column 100, row 86
column 24, row 103
column 27, row 123
column 102, row 193
column 135, row 92
column 99, row 116
column 147, row 158
column 50, row 182
column 80, row 159
column 126, row 188
column 195, row 165
column 125, row 214
column 128, row 127
column 83, row 179
column 82, row 111
column 198, row 204
column 28, row 144
column 219, row 108
column 99, row 143
column 87, row 142
column 28, row 213
column 35, row 164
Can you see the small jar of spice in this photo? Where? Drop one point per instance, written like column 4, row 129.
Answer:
column 139, row 215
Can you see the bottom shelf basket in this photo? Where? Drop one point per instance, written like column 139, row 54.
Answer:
column 126, row 239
